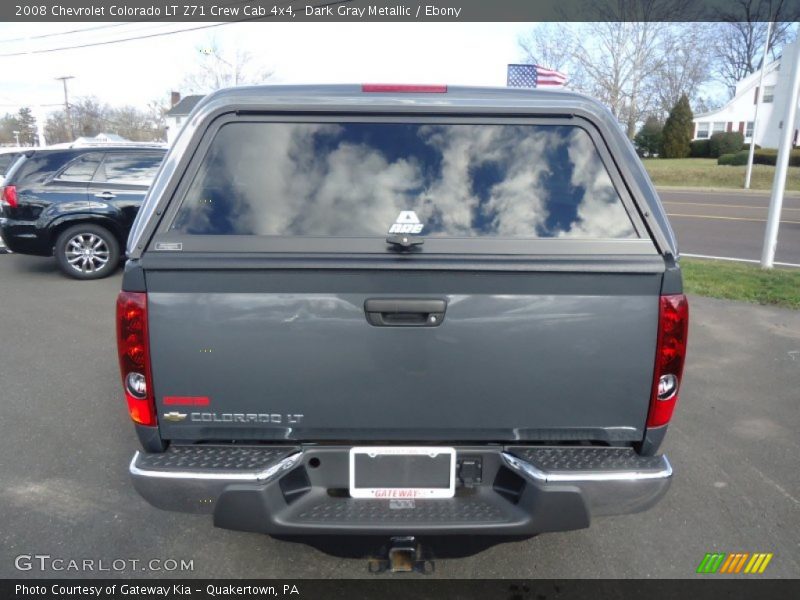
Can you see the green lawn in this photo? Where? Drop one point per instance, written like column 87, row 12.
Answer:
column 705, row 172
column 742, row 281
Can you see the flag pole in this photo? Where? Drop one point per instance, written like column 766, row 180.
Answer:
column 759, row 90
column 782, row 162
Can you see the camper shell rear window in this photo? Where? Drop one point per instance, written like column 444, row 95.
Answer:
column 283, row 179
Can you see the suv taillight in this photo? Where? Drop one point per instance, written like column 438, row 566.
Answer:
column 673, row 327
column 8, row 195
column 133, row 345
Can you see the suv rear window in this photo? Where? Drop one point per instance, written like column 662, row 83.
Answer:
column 372, row 179
column 38, row 167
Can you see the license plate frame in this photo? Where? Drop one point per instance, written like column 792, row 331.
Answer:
column 408, row 492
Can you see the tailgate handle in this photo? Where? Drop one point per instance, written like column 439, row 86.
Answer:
column 405, row 312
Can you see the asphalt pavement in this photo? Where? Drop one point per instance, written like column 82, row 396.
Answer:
column 65, row 445
column 730, row 223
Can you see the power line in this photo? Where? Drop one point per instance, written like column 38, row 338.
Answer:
column 60, row 33
column 153, row 35
column 163, row 21
column 118, row 41
column 159, row 34
column 84, row 38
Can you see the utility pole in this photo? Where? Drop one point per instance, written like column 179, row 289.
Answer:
column 782, row 163
column 66, row 105
column 759, row 92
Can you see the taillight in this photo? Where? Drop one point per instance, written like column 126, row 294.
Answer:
column 404, row 88
column 9, row 195
column 673, row 326
column 133, row 345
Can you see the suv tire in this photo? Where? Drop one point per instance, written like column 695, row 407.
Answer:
column 87, row 251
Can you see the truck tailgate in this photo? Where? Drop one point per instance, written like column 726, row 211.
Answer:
column 276, row 354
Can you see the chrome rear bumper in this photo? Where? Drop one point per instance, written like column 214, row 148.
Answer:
column 622, row 490
column 302, row 490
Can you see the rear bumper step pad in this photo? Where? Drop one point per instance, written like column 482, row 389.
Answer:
column 192, row 478
column 303, row 490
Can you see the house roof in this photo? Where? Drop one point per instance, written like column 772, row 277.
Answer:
column 743, row 86
column 185, row 106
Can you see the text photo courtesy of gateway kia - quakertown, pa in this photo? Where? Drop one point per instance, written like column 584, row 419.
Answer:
column 429, row 299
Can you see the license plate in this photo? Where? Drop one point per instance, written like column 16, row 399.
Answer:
column 391, row 472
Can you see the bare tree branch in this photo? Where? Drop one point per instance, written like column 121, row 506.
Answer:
column 740, row 37
column 217, row 69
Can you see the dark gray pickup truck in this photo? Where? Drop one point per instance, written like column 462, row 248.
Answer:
column 401, row 310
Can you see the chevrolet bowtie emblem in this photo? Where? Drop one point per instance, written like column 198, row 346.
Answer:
column 174, row 416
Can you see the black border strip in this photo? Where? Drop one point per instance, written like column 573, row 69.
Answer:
column 395, row 587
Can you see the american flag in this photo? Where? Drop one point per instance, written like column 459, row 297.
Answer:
column 531, row 76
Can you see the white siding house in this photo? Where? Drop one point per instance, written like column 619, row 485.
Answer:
column 737, row 114
column 176, row 116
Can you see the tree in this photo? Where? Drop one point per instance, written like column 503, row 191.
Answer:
column 704, row 104
column 688, row 64
column 26, row 126
column 635, row 67
column 55, row 128
column 219, row 69
column 91, row 116
column 740, row 37
column 8, row 125
column 648, row 140
column 134, row 124
column 608, row 60
column 19, row 128
column 676, row 136
column 550, row 45
column 157, row 110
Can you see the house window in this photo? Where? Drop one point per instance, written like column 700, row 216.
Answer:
column 177, row 120
column 702, row 131
column 769, row 94
column 719, row 127
column 748, row 132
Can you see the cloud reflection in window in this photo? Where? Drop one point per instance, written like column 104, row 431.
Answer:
column 353, row 179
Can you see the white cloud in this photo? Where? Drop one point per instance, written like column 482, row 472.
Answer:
column 600, row 213
column 276, row 180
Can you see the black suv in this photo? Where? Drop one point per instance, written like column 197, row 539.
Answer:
column 77, row 204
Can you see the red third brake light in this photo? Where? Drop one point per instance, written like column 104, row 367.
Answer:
column 404, row 88
column 133, row 345
column 9, row 196
column 673, row 326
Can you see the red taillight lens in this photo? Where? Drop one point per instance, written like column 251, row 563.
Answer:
column 9, row 195
column 673, row 327
column 133, row 346
column 404, row 88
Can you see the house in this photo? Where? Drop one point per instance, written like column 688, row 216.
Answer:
column 738, row 113
column 176, row 116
